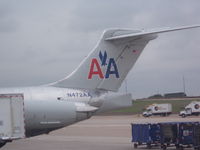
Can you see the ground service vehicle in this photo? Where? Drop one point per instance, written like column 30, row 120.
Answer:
column 91, row 88
column 167, row 134
column 145, row 134
column 191, row 109
column 11, row 117
column 158, row 109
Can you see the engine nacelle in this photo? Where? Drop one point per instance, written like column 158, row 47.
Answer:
column 45, row 116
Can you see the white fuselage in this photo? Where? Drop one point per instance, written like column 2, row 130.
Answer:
column 49, row 108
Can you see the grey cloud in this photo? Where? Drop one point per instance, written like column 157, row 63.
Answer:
column 43, row 41
column 7, row 23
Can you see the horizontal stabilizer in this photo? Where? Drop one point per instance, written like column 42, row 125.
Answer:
column 149, row 32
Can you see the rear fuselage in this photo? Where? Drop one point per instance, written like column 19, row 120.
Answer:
column 50, row 108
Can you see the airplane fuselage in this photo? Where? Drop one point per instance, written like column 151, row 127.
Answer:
column 50, row 108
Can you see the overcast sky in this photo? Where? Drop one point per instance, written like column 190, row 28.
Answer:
column 44, row 40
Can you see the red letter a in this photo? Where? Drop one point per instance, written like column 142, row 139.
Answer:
column 93, row 64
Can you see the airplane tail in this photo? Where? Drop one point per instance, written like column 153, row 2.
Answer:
column 108, row 64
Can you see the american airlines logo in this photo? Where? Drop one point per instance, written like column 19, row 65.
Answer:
column 96, row 67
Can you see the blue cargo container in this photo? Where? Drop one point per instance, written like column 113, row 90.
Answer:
column 196, row 140
column 147, row 134
column 168, row 134
column 186, row 131
column 179, row 134
column 186, row 134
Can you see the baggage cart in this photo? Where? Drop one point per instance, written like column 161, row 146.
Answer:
column 145, row 134
column 196, row 140
column 186, row 134
column 169, row 134
column 179, row 134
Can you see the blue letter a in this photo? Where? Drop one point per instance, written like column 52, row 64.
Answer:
column 109, row 71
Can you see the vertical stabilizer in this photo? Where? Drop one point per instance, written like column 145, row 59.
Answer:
column 108, row 64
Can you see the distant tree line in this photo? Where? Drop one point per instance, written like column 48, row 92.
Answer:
column 168, row 95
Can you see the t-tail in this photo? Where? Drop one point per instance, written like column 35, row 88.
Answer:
column 108, row 64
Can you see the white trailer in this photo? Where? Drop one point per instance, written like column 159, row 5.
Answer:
column 12, row 124
column 158, row 109
column 191, row 109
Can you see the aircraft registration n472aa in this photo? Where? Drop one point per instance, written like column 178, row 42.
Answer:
column 91, row 88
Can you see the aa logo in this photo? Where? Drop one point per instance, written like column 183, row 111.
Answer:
column 96, row 67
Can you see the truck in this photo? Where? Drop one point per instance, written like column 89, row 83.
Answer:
column 192, row 108
column 158, row 109
column 12, row 124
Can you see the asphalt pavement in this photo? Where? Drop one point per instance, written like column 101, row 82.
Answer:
column 97, row 133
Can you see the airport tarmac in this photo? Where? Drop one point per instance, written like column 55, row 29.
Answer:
column 97, row 133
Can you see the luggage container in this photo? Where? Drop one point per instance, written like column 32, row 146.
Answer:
column 179, row 134
column 145, row 134
column 196, row 139
column 168, row 134
column 186, row 134
column 11, row 117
